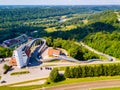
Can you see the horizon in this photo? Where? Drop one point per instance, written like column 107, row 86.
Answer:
column 60, row 5
column 59, row 2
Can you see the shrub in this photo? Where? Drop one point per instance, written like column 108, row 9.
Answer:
column 55, row 76
column 67, row 72
column 20, row 73
column 6, row 67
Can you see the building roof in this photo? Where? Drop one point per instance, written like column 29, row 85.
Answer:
column 52, row 52
column 10, row 41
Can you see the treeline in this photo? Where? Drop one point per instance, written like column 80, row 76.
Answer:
column 5, row 52
column 92, row 71
column 74, row 50
column 17, row 16
column 107, row 16
column 77, row 34
column 105, row 42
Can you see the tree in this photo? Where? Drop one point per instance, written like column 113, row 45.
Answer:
column 5, row 52
column 83, row 72
column 95, row 73
column 54, row 75
column 67, row 72
column 6, row 67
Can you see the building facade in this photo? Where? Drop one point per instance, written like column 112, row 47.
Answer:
column 20, row 56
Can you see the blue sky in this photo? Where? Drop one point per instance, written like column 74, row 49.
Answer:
column 59, row 2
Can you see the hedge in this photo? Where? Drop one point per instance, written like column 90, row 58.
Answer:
column 92, row 71
column 20, row 73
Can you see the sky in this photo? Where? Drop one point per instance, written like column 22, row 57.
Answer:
column 59, row 2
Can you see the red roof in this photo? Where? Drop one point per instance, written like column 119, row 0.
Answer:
column 52, row 52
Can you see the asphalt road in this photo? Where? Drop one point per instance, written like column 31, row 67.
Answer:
column 86, row 85
column 110, row 58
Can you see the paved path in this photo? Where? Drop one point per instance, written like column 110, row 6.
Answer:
column 97, row 52
column 87, row 85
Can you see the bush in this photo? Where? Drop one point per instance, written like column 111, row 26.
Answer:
column 20, row 73
column 55, row 76
column 6, row 67
column 67, row 72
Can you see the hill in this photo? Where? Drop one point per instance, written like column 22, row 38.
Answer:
column 94, row 25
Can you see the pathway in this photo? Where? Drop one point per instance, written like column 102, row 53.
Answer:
column 110, row 58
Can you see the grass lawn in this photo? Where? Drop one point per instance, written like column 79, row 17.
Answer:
column 67, row 81
column 112, row 88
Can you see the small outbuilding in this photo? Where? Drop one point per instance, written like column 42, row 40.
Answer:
column 13, row 62
column 54, row 52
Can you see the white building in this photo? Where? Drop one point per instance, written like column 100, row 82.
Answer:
column 21, row 57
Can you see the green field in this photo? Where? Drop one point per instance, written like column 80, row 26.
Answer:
column 67, row 81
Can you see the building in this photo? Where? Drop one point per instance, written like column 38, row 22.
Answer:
column 20, row 56
column 54, row 52
column 10, row 43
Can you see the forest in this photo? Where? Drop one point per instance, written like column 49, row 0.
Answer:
column 94, row 25
column 74, row 50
